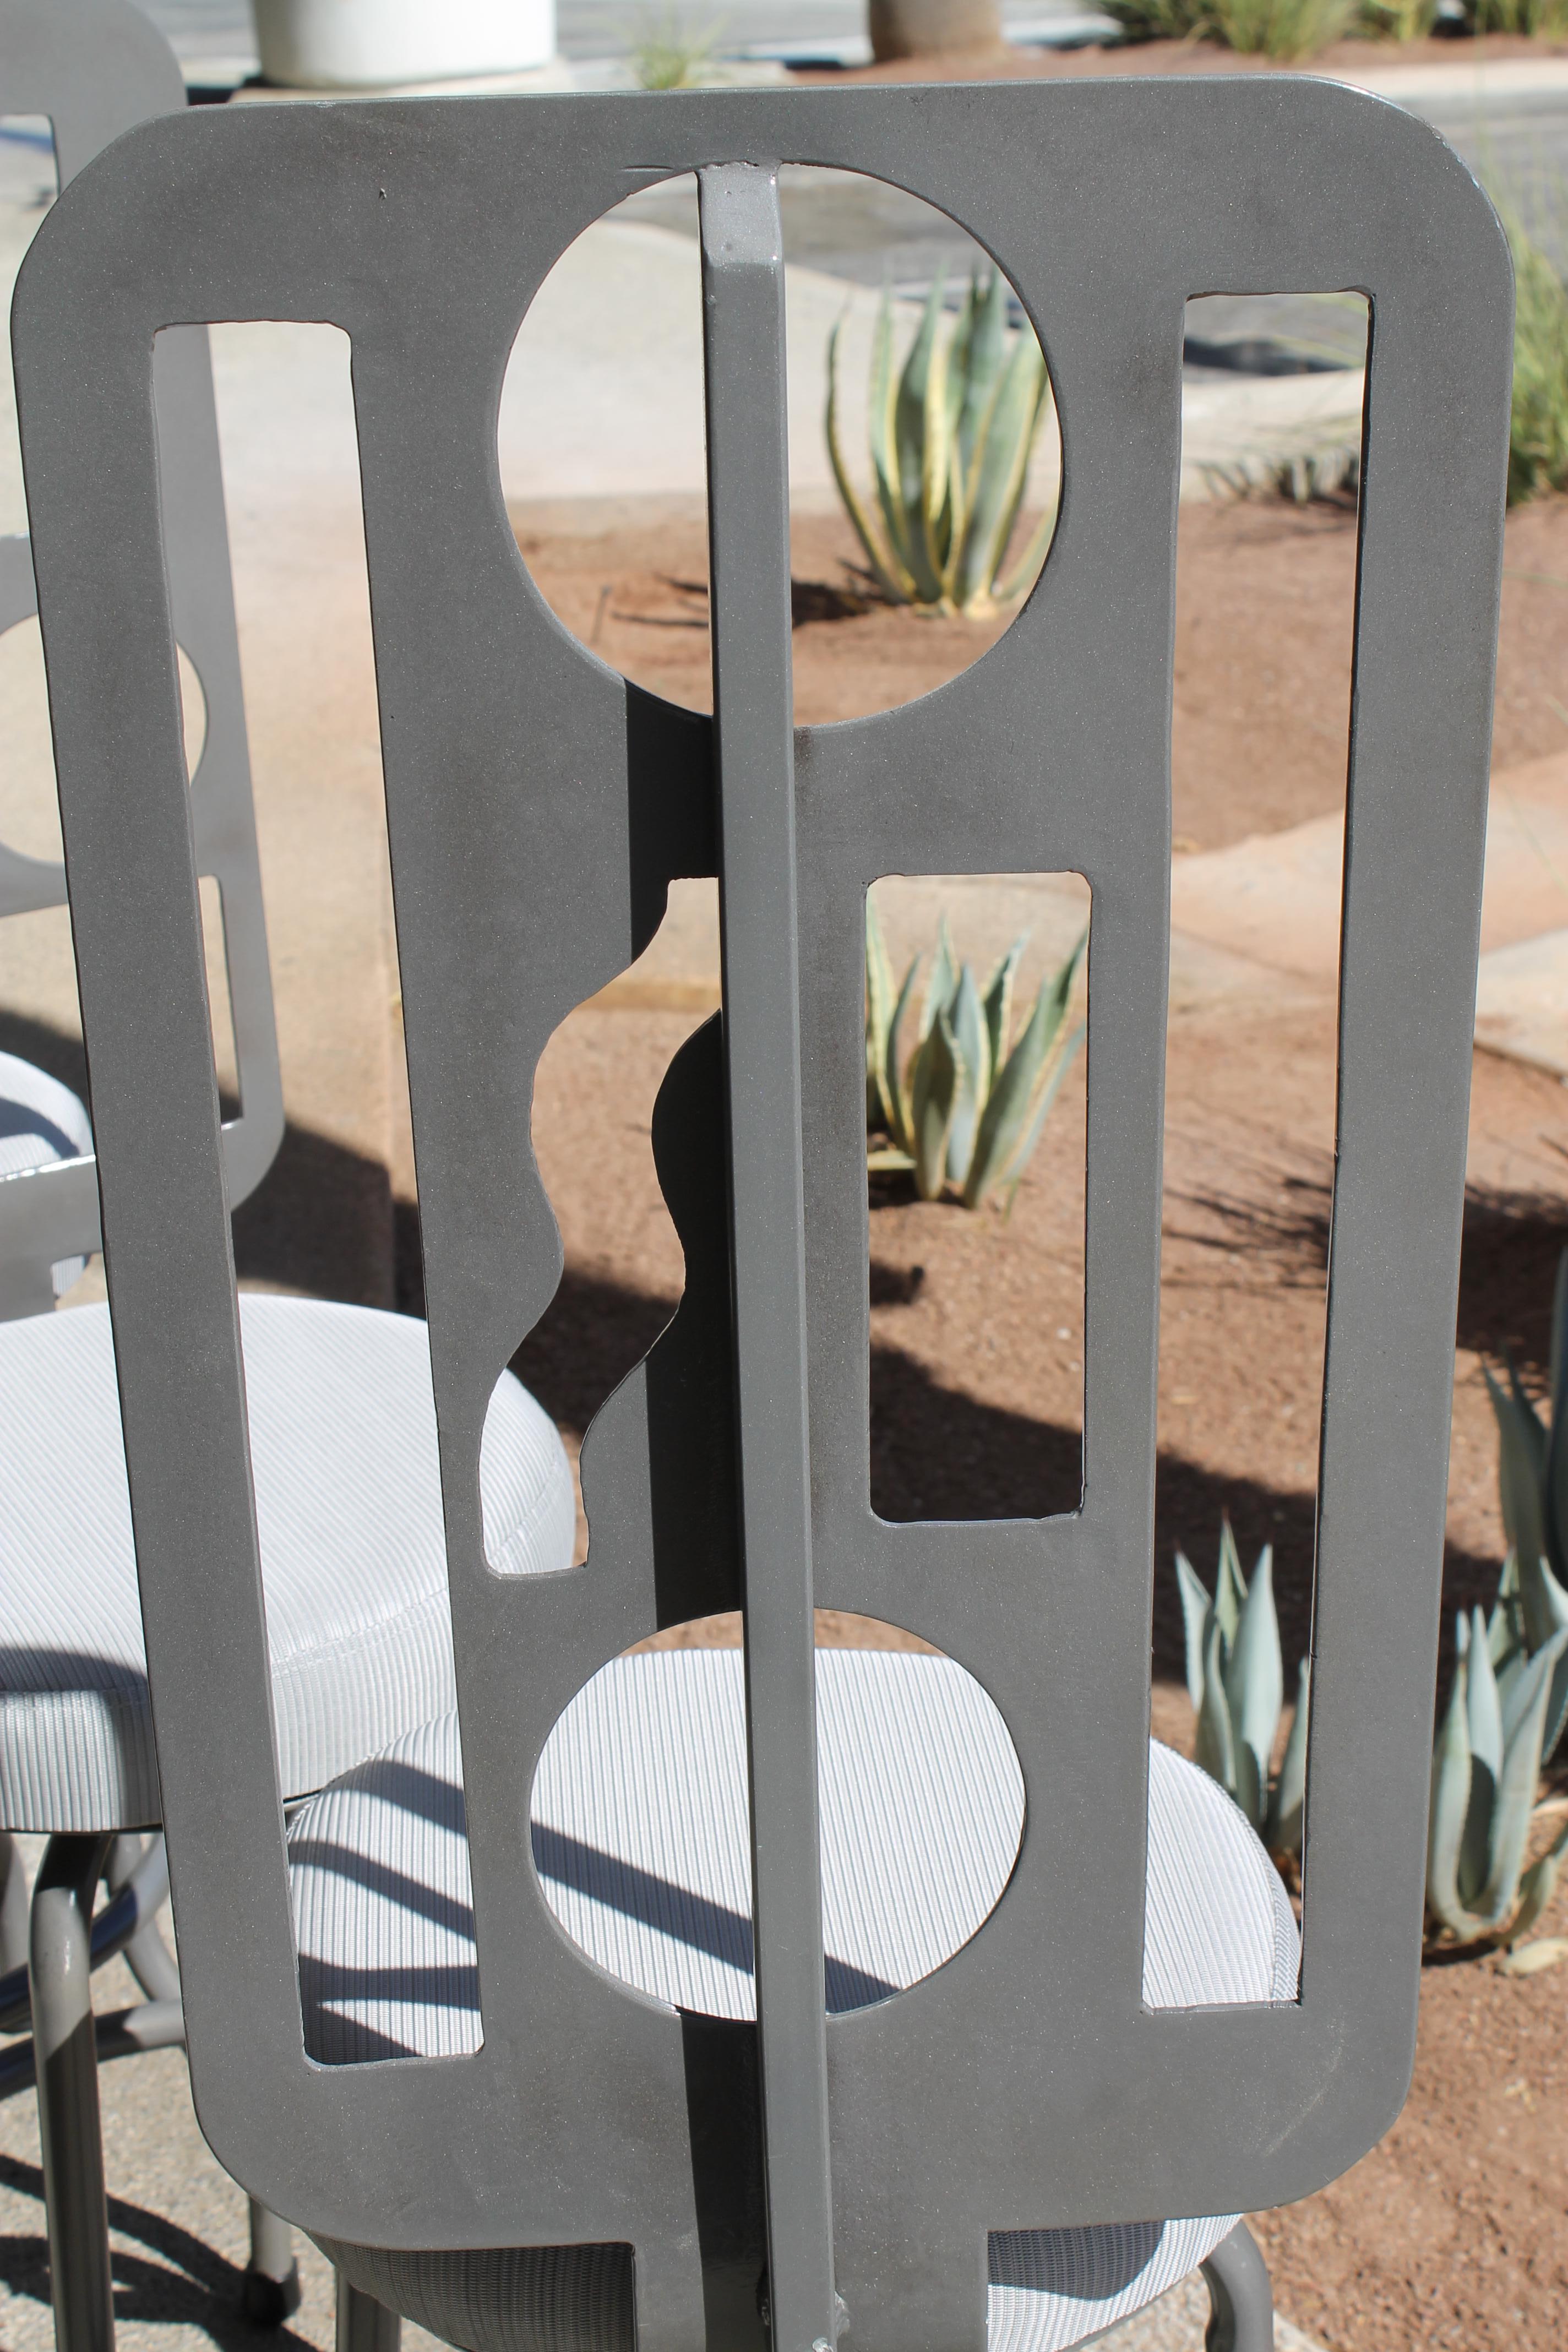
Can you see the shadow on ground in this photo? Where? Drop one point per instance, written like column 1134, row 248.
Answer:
column 186, row 2283
column 937, row 1453
column 322, row 1219
column 324, row 1222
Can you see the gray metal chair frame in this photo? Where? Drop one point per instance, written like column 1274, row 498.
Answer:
column 538, row 807
column 95, row 70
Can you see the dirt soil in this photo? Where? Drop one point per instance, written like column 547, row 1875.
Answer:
column 1452, row 2233
column 1263, row 608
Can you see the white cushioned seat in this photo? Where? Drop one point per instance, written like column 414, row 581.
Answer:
column 40, row 1122
column 639, row 1836
column 342, row 1434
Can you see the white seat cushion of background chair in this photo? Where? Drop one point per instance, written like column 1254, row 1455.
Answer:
column 342, row 1437
column 41, row 1120
column 639, row 1834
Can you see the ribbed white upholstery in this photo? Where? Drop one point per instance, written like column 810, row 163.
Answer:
column 41, row 1120
column 342, row 1432
column 639, row 1836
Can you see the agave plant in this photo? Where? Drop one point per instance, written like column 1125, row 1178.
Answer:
column 952, row 434
column 966, row 1105
column 1532, row 1460
column 1485, row 1775
column 1533, row 1485
column 1235, row 1680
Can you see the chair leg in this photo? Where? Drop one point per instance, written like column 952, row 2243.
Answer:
column 12, row 1906
column 271, row 2290
column 1241, row 2299
column 365, row 2325
column 60, row 1981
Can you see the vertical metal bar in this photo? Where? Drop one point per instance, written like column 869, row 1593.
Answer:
column 69, row 2133
column 365, row 2325
column 747, row 492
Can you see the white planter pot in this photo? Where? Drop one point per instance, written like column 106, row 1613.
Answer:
column 370, row 44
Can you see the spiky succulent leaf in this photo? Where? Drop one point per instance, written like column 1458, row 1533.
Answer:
column 881, row 405
column 1450, row 1805
column 1510, row 1686
column 880, row 1003
column 1012, row 584
column 1254, row 1690
column 933, row 1090
column 1003, row 586
column 1536, row 1888
column 1197, row 1608
column 1521, row 1464
column 1012, row 1173
column 987, row 350
column 974, row 1048
column 1543, row 1604
column 936, row 465
column 942, row 985
column 1505, row 1626
column 1011, row 1122
column 1286, row 1806
column 956, row 377
column 999, row 1000
column 1517, row 1787
column 1230, row 1585
column 1215, row 1746
column 892, row 575
column 912, row 409
column 1001, row 467
column 1543, row 1608
column 1547, row 1952
column 1484, row 1731
column 1554, row 1480
column 894, row 1073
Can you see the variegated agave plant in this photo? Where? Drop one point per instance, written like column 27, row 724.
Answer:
column 952, row 434
column 1235, row 1680
column 1505, row 1715
column 966, row 1103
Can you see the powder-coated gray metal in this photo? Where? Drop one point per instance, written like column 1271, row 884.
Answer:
column 65, row 2055
column 95, row 67
column 747, row 480
column 1241, row 2299
column 537, row 805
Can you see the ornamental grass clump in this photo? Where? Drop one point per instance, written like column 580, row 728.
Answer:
column 1537, row 428
column 1235, row 1680
column 952, row 433
column 964, row 1103
column 669, row 54
column 1282, row 29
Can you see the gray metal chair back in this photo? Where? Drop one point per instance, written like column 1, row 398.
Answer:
column 95, row 68
column 539, row 805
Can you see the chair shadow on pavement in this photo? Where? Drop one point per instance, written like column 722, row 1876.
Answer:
column 188, row 2285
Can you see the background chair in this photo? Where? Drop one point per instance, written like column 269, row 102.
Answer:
column 354, row 1573
column 1114, row 2039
